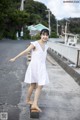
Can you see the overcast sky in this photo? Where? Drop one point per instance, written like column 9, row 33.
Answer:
column 63, row 8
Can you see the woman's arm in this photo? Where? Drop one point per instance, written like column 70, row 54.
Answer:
column 22, row 53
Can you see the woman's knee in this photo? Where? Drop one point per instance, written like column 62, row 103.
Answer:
column 33, row 85
column 40, row 86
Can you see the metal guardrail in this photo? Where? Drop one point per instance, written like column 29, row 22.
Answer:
column 71, row 53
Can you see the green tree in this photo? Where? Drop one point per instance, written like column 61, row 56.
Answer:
column 12, row 19
column 38, row 14
column 73, row 25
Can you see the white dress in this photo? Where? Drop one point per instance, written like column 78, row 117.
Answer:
column 36, row 71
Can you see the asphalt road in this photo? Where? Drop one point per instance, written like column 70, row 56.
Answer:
column 60, row 100
column 11, row 76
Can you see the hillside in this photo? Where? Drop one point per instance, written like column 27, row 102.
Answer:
column 73, row 25
column 12, row 19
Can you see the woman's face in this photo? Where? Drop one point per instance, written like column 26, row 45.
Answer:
column 44, row 37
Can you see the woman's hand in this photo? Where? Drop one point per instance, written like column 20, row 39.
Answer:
column 12, row 60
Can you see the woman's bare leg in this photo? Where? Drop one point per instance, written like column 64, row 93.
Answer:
column 30, row 90
column 36, row 96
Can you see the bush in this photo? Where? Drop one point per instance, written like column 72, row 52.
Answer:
column 53, row 35
column 26, row 34
column 1, row 35
column 10, row 34
column 36, row 37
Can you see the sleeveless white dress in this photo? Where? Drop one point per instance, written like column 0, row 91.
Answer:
column 36, row 71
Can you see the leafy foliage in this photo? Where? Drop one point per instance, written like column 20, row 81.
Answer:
column 12, row 19
column 73, row 25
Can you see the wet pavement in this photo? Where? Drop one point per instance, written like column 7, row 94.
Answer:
column 60, row 100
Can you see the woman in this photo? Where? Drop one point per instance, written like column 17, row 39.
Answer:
column 36, row 74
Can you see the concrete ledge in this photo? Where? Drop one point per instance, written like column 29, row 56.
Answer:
column 65, row 66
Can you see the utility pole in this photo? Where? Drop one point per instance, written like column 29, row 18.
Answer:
column 66, row 27
column 22, row 5
column 66, row 31
column 49, row 21
column 21, row 9
column 57, row 28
